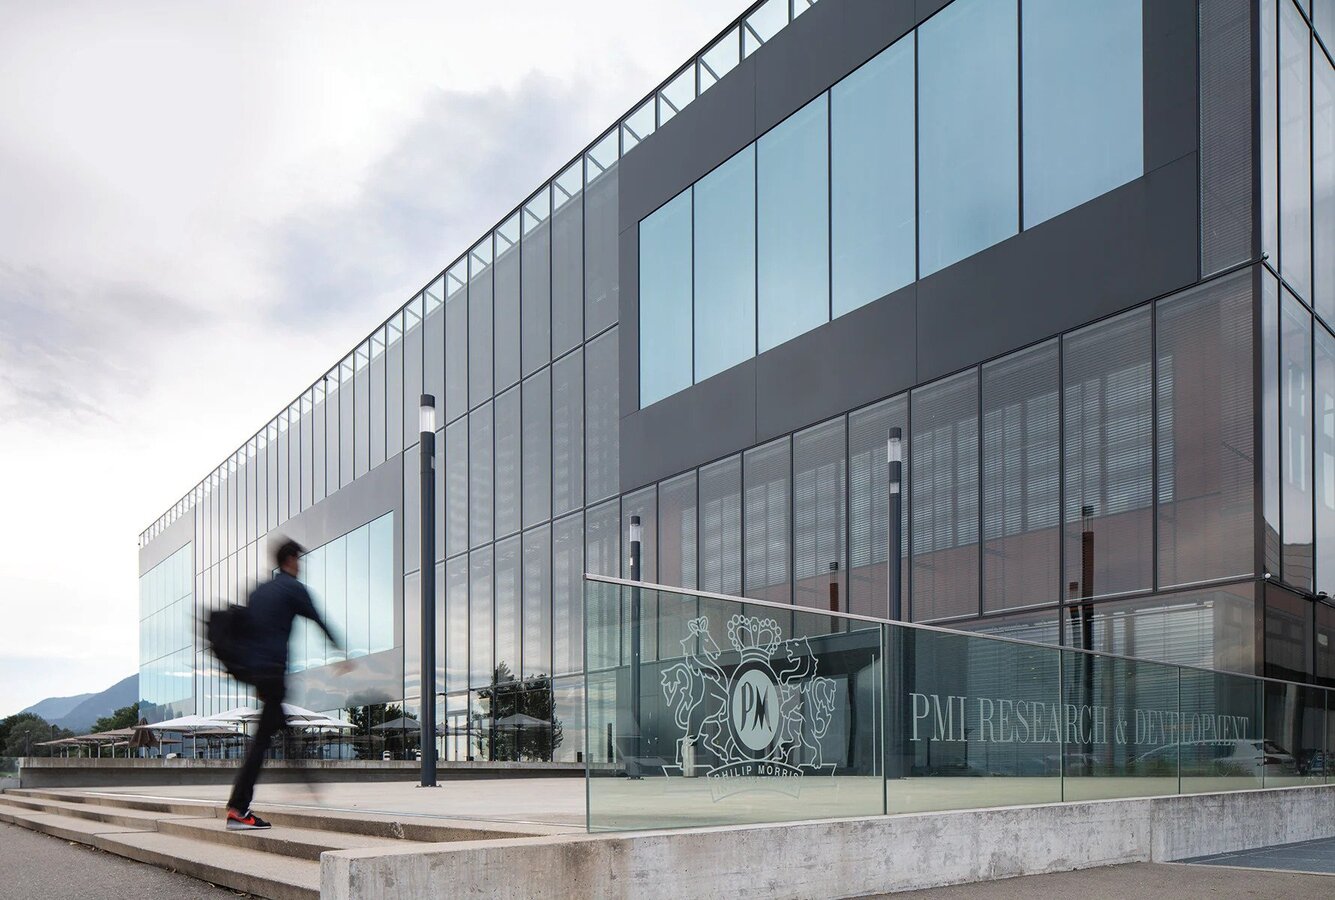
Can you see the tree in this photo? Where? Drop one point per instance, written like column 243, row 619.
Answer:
column 24, row 730
column 125, row 717
column 364, row 719
column 531, row 697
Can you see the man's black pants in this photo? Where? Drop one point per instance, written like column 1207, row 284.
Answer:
column 270, row 692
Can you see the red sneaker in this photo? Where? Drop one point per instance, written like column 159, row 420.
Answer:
column 248, row 822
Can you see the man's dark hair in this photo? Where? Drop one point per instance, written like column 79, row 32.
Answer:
column 288, row 550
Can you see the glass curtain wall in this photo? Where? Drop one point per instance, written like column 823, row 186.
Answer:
column 930, row 152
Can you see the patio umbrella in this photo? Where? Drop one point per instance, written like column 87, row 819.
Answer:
column 143, row 737
column 236, row 715
column 187, row 724
column 522, row 720
column 402, row 723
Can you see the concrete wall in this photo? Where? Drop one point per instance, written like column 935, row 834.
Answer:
column 838, row 858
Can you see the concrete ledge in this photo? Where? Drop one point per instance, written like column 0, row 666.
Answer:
column 840, row 857
column 80, row 773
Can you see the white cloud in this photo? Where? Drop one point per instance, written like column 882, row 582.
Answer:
column 205, row 204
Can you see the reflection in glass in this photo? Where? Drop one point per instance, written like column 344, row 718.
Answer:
column 944, row 493
column 1021, row 479
column 665, row 300
column 1295, row 148
column 1124, row 738
column 1205, row 432
column 1295, row 387
column 872, row 167
column 765, row 512
column 725, row 266
column 968, row 131
column 819, row 517
column 1083, row 102
column 793, row 225
column 1108, row 457
column 1222, row 748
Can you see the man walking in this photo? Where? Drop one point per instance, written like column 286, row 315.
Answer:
column 273, row 607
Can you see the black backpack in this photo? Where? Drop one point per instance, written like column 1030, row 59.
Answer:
column 229, row 632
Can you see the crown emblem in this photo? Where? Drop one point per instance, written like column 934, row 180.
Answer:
column 754, row 637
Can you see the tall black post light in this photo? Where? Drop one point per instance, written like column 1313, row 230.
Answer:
column 427, row 451
column 899, row 653
column 633, row 764
column 894, row 456
column 27, row 743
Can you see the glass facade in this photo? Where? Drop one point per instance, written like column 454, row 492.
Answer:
column 1097, row 488
column 933, row 150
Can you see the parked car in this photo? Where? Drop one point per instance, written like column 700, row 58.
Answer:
column 1235, row 757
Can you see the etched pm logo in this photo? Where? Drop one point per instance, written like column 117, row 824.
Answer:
column 758, row 725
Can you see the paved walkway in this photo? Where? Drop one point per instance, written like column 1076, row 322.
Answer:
column 1304, row 856
column 1180, row 882
column 36, row 866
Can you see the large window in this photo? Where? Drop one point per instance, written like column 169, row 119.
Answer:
column 602, row 405
column 872, row 179
column 819, row 507
column 665, row 300
column 536, row 324
column 968, row 131
column 721, row 526
column 507, row 478
column 725, row 266
column 1107, row 453
column 1295, row 387
column 480, row 611
column 480, row 478
column 1021, row 479
column 568, row 433
column 537, row 443
column 908, row 165
column 1295, row 148
column 765, row 512
column 792, row 232
column 944, row 496
column 1205, row 433
column 505, row 314
column 537, row 602
column 1083, row 102
column 1323, row 183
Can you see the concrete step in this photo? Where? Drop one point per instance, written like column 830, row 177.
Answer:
column 376, row 825
column 252, row 871
column 80, row 831
column 169, row 806
column 142, row 820
column 283, row 840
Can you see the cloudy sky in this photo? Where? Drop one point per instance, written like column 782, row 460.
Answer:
column 203, row 205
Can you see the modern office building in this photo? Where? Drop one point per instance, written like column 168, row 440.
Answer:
column 1081, row 253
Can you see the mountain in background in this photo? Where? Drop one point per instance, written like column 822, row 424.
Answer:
column 80, row 712
column 53, row 708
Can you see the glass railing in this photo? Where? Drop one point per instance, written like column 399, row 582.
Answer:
column 711, row 710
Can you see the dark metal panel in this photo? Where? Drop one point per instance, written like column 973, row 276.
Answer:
column 367, row 498
column 1170, row 42
column 925, row 9
column 629, row 357
column 1132, row 244
column 800, row 62
column 857, row 358
column 711, row 419
column 720, row 122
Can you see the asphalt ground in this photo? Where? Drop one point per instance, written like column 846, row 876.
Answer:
column 1169, row 880
column 35, row 866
